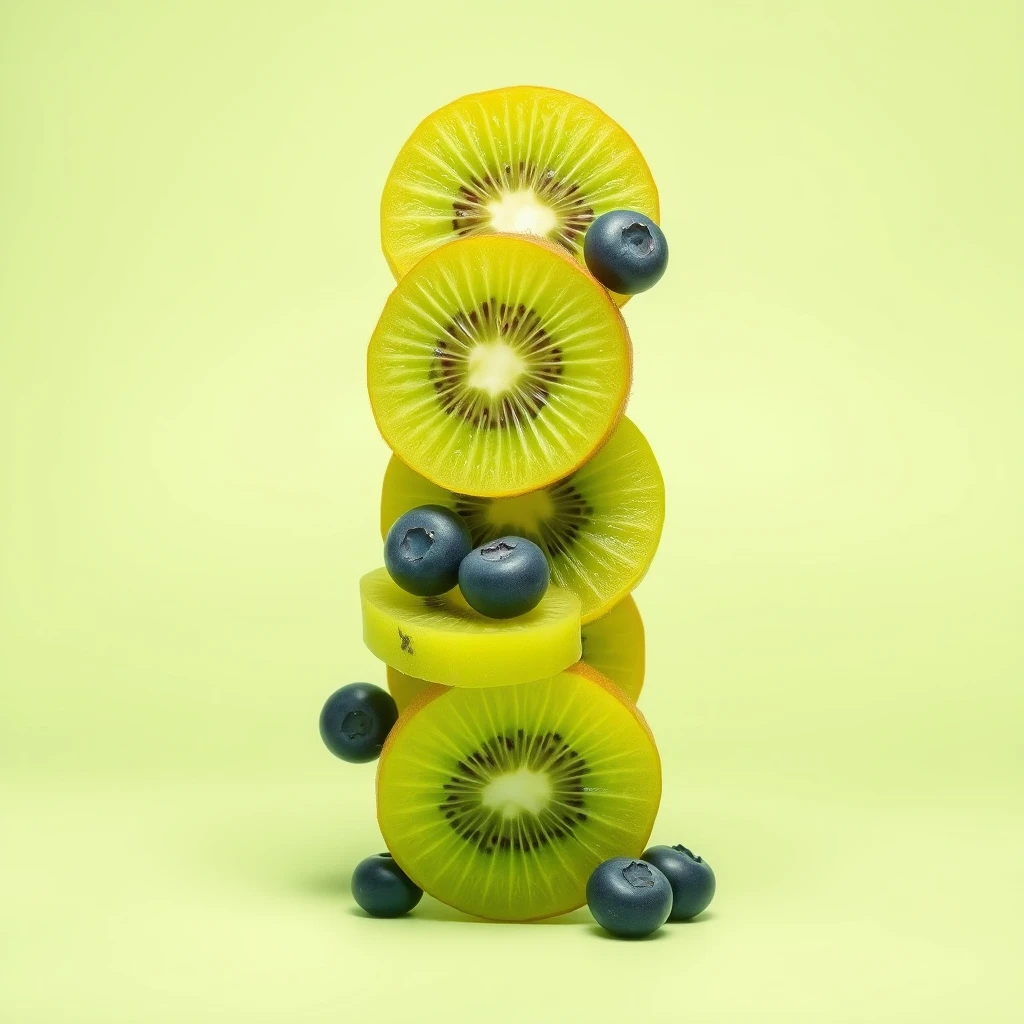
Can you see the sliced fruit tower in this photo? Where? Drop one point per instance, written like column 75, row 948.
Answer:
column 498, row 374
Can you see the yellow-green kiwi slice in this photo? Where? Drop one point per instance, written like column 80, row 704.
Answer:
column 599, row 527
column 501, row 802
column 522, row 160
column 498, row 366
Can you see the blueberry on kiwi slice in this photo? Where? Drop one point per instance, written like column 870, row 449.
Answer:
column 523, row 160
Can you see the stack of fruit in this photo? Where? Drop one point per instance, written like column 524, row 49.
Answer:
column 520, row 509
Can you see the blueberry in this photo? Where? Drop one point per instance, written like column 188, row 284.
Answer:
column 504, row 577
column 355, row 721
column 692, row 880
column 424, row 549
column 629, row 898
column 626, row 251
column 382, row 888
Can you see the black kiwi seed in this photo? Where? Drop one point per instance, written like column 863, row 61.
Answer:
column 470, row 214
column 523, row 330
column 489, row 830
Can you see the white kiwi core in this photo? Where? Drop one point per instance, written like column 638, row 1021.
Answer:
column 516, row 792
column 522, row 213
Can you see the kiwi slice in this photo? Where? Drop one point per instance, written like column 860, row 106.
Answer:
column 525, row 160
column 498, row 366
column 614, row 645
column 405, row 689
column 501, row 802
column 442, row 640
column 599, row 527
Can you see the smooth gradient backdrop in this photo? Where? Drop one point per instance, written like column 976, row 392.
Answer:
column 830, row 373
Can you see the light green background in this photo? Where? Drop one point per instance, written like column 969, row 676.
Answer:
column 831, row 375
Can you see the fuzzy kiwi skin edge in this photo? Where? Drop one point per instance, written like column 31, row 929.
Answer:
column 581, row 668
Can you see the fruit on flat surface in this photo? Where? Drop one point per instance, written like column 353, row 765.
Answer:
column 629, row 898
column 355, row 721
column 443, row 640
column 501, row 802
column 691, row 878
column 405, row 689
column 498, row 366
column 626, row 251
column 599, row 527
column 523, row 159
column 382, row 888
column 614, row 644
column 505, row 577
column 423, row 550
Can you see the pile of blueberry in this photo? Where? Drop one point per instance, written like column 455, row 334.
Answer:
column 634, row 898
column 429, row 551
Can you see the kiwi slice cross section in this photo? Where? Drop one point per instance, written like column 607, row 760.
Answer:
column 498, row 366
column 599, row 527
column 521, row 160
column 502, row 801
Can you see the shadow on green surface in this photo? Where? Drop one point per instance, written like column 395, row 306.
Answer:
column 334, row 886
column 596, row 929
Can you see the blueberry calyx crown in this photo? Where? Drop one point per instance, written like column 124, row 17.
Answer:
column 416, row 543
column 638, row 236
column 639, row 875
column 496, row 552
column 689, row 853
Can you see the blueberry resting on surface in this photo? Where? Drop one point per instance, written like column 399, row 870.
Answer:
column 382, row 888
column 626, row 251
column 629, row 898
column 424, row 548
column 504, row 577
column 355, row 721
column 692, row 880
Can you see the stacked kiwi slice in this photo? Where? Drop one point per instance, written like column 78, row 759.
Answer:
column 498, row 374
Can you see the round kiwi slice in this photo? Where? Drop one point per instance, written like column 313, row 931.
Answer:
column 614, row 645
column 501, row 802
column 525, row 160
column 442, row 640
column 599, row 527
column 498, row 365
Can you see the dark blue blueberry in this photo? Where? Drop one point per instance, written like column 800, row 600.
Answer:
column 382, row 888
column 626, row 251
column 355, row 721
column 692, row 880
column 629, row 898
column 504, row 577
column 424, row 549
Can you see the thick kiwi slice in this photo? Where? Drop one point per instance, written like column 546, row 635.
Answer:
column 497, row 366
column 442, row 640
column 524, row 160
column 599, row 526
column 614, row 645
column 501, row 802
